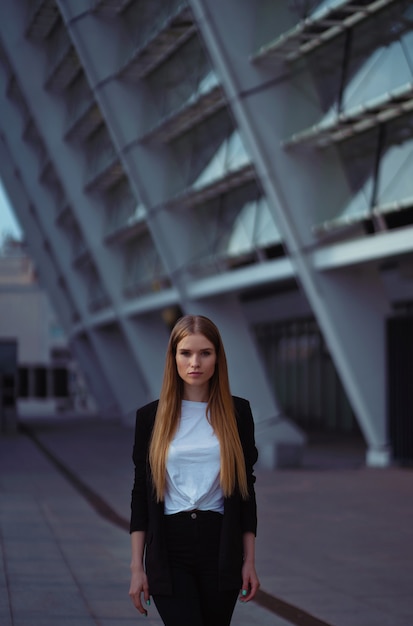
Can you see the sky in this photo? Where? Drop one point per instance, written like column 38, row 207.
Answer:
column 8, row 222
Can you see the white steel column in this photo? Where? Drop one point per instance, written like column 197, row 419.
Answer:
column 279, row 440
column 51, row 279
column 153, row 172
column 69, row 163
column 350, row 305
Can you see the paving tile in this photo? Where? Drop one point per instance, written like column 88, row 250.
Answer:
column 30, row 619
column 5, row 618
column 334, row 538
column 250, row 614
column 366, row 617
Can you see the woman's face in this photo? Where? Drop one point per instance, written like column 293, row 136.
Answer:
column 195, row 362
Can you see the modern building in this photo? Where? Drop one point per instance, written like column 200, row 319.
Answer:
column 247, row 160
column 38, row 376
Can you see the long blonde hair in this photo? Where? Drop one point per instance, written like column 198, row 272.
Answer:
column 220, row 409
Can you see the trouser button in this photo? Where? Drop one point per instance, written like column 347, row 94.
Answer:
column 193, row 515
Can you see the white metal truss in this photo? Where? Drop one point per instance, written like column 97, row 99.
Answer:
column 175, row 30
column 63, row 61
column 83, row 113
column 314, row 32
column 188, row 116
column 42, row 16
column 192, row 197
column 376, row 216
column 381, row 110
column 364, row 250
column 110, row 7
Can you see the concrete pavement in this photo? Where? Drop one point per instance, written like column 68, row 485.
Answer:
column 334, row 546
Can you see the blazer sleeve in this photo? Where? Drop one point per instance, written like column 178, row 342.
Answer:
column 246, row 431
column 139, row 498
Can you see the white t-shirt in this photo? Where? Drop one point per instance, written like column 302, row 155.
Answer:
column 193, row 464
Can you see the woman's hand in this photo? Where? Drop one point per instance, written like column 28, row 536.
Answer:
column 250, row 582
column 139, row 582
column 139, row 585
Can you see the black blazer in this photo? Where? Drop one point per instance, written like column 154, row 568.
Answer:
column 148, row 515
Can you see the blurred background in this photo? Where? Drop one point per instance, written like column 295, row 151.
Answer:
column 248, row 161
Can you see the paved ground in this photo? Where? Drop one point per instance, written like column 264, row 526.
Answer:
column 334, row 547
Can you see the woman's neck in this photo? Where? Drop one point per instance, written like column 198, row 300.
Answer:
column 196, row 394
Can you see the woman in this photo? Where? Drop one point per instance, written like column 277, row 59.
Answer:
column 193, row 509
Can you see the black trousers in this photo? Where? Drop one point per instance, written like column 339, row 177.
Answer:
column 193, row 548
